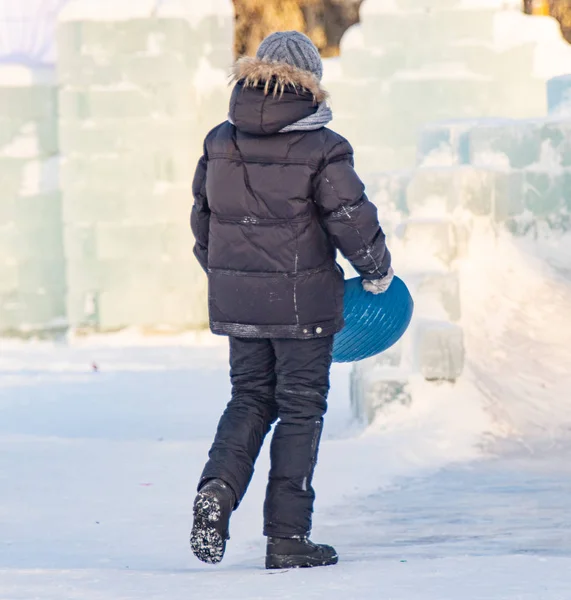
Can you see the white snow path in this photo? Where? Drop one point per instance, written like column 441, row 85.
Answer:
column 97, row 475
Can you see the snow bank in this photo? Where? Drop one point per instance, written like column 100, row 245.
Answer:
column 516, row 336
column 450, row 419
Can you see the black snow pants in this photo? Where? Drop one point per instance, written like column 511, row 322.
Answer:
column 272, row 379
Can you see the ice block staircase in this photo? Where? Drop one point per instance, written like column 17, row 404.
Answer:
column 513, row 175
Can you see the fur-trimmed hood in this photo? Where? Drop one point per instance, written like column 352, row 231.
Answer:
column 276, row 77
column 270, row 97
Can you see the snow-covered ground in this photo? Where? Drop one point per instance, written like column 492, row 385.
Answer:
column 97, row 475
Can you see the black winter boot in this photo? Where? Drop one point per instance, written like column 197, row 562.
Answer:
column 299, row 552
column 212, row 510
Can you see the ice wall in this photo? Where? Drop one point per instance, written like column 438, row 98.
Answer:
column 141, row 84
column 411, row 62
column 32, row 280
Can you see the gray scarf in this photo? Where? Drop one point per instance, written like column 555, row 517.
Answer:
column 322, row 117
column 317, row 120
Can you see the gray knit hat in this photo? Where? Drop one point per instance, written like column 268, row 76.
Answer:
column 293, row 48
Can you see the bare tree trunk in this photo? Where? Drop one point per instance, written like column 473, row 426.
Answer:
column 339, row 16
column 324, row 21
column 561, row 10
column 255, row 19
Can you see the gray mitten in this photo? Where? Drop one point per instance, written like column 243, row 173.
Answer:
column 379, row 286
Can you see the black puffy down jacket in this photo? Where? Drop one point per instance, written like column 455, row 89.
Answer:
column 272, row 208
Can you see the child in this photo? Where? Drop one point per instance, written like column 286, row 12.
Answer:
column 275, row 196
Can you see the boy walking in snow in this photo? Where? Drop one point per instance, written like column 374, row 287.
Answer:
column 275, row 196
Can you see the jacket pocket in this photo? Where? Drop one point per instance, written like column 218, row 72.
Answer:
column 251, row 298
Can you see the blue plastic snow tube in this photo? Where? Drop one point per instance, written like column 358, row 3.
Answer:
column 373, row 323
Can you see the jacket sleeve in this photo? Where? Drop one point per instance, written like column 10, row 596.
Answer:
column 200, row 216
column 349, row 217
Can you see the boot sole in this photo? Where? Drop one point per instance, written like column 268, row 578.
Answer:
column 292, row 561
column 205, row 540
